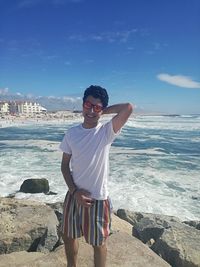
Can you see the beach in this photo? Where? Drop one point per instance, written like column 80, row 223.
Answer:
column 21, row 119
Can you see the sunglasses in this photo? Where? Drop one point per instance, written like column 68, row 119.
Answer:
column 96, row 108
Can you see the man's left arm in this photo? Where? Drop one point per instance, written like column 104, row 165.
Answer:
column 123, row 112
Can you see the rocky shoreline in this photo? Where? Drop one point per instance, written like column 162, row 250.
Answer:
column 29, row 237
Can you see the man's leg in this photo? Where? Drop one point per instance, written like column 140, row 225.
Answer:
column 100, row 253
column 96, row 229
column 71, row 251
column 70, row 227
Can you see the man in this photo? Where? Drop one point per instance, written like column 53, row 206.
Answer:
column 84, row 166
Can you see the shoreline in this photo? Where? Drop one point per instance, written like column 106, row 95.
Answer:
column 57, row 117
column 114, row 211
column 50, row 117
column 46, row 201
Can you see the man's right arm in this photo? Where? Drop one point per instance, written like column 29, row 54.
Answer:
column 65, row 169
column 82, row 196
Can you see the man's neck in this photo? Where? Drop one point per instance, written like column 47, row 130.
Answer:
column 89, row 126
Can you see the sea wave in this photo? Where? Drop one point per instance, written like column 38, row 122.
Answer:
column 154, row 164
column 184, row 123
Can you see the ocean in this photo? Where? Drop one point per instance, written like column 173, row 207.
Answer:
column 154, row 163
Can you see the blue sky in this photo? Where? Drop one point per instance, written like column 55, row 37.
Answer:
column 143, row 51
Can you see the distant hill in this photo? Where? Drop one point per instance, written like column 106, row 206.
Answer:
column 52, row 103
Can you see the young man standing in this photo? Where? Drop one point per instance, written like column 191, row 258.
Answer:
column 85, row 166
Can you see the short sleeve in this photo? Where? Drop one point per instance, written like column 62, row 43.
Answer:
column 65, row 146
column 111, row 135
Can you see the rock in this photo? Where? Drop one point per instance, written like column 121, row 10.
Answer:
column 58, row 209
column 51, row 193
column 119, row 225
column 123, row 250
column 195, row 224
column 146, row 226
column 134, row 253
column 174, row 241
column 131, row 217
column 135, row 217
column 22, row 258
column 35, row 186
column 179, row 245
column 147, row 229
column 26, row 225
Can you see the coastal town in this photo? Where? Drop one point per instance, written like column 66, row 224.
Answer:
column 21, row 107
column 22, row 112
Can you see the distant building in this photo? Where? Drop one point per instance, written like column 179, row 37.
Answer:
column 21, row 107
column 30, row 108
column 4, row 107
column 13, row 107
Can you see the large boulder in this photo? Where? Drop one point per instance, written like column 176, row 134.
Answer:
column 135, row 217
column 130, row 217
column 123, row 250
column 179, row 245
column 26, row 225
column 175, row 241
column 35, row 186
column 21, row 258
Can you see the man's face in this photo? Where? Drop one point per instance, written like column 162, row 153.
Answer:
column 92, row 110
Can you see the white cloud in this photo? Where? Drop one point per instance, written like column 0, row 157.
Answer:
column 51, row 57
column 4, row 91
column 29, row 96
column 19, row 94
column 110, row 37
column 178, row 80
column 88, row 61
column 71, row 99
column 52, row 97
column 67, row 63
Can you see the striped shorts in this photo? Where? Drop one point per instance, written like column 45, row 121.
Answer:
column 93, row 223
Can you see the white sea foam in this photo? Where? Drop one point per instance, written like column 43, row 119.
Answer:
column 164, row 122
column 150, row 151
column 42, row 144
column 149, row 188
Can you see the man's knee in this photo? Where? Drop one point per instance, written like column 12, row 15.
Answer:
column 71, row 245
column 100, row 248
column 100, row 253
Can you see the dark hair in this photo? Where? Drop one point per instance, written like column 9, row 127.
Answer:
column 97, row 92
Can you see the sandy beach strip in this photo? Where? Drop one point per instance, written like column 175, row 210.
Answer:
column 50, row 117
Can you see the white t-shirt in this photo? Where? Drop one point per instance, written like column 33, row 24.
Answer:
column 90, row 156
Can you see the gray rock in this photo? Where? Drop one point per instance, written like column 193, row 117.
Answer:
column 146, row 226
column 147, row 229
column 130, row 217
column 22, row 258
column 58, row 209
column 179, row 245
column 35, row 186
column 135, row 217
column 123, row 250
column 175, row 241
column 26, row 225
